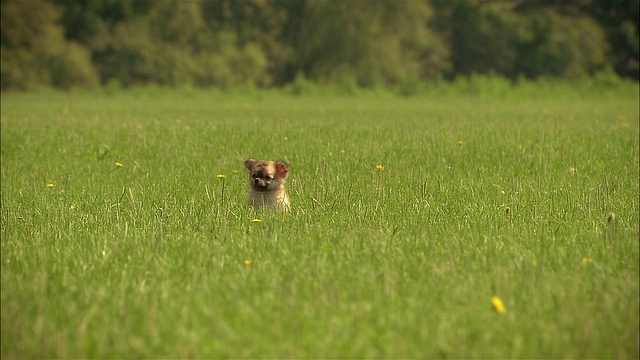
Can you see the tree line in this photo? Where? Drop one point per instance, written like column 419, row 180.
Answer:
column 226, row 43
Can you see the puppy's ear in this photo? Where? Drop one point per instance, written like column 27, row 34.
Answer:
column 282, row 169
column 250, row 163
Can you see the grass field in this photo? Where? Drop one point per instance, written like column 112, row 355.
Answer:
column 409, row 215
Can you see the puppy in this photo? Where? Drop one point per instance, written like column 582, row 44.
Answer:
column 267, row 179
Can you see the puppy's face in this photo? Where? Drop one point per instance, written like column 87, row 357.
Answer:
column 266, row 175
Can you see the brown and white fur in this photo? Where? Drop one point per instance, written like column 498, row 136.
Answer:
column 266, row 179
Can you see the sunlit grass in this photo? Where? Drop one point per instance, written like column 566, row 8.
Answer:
column 419, row 227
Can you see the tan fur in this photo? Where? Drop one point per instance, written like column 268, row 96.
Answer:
column 266, row 181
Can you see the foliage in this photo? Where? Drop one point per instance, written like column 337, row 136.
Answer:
column 179, row 52
column 618, row 18
column 34, row 52
column 375, row 42
column 225, row 43
column 563, row 46
column 494, row 38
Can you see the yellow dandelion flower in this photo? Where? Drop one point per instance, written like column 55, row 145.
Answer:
column 118, row 164
column 220, row 176
column 256, row 220
column 586, row 260
column 460, row 143
column 380, row 167
column 248, row 262
column 234, row 171
column 498, row 306
column 50, row 185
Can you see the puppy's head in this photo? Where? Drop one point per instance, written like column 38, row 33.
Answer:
column 266, row 175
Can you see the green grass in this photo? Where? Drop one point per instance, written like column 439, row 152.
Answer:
column 161, row 258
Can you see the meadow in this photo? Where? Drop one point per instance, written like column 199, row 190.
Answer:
column 125, row 230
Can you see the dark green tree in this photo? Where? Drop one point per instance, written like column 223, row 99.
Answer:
column 223, row 43
column 562, row 46
column 374, row 42
column 521, row 38
column 482, row 37
column 34, row 51
column 259, row 31
column 620, row 20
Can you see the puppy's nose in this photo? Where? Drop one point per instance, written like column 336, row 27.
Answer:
column 256, row 181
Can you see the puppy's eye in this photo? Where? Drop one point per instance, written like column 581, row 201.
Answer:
column 269, row 177
column 254, row 175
